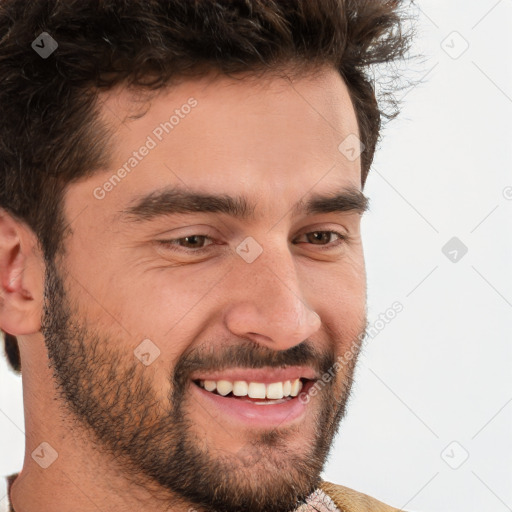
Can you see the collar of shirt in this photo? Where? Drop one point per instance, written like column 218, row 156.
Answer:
column 318, row 501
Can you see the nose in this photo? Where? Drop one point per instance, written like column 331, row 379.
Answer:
column 267, row 304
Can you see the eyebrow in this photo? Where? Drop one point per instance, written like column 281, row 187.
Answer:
column 169, row 201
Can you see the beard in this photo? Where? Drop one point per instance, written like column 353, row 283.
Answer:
column 113, row 397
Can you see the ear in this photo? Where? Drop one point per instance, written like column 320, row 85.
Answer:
column 21, row 277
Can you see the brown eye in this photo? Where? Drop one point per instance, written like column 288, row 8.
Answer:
column 324, row 238
column 192, row 242
column 319, row 237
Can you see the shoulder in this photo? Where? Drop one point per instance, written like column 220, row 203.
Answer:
column 349, row 500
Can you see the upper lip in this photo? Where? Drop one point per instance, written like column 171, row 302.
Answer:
column 263, row 375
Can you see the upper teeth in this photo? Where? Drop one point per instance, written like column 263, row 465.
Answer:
column 275, row 390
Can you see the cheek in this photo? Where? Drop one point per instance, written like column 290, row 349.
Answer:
column 339, row 286
column 338, row 295
column 168, row 305
column 352, row 281
column 165, row 310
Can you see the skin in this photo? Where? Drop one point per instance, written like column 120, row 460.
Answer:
column 274, row 141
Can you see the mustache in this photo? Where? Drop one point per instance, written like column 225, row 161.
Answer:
column 249, row 355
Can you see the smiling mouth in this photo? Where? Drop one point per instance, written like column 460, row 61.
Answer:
column 255, row 392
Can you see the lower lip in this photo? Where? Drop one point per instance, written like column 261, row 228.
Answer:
column 252, row 413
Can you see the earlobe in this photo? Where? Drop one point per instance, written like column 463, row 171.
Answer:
column 21, row 277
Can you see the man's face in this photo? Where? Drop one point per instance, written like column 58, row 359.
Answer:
column 162, row 302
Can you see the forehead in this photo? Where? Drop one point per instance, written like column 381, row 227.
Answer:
column 230, row 135
column 321, row 88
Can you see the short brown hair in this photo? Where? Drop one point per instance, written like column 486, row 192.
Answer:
column 50, row 134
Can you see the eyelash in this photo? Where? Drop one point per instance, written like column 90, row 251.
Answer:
column 342, row 238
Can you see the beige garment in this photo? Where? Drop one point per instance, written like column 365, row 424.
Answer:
column 348, row 500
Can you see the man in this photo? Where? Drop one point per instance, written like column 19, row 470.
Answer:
column 180, row 253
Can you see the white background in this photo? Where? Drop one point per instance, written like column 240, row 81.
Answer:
column 429, row 426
